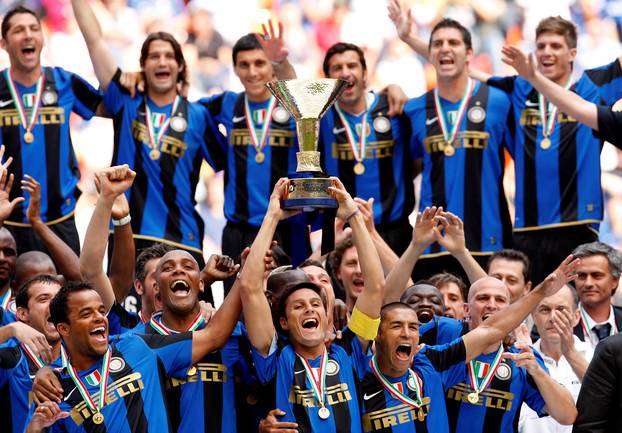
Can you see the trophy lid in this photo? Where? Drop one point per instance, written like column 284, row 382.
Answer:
column 307, row 98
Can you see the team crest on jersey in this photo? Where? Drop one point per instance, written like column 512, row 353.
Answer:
column 280, row 115
column 382, row 124
column 157, row 119
column 49, row 97
column 12, row 307
column 116, row 364
column 410, row 383
column 358, row 127
column 178, row 124
column 476, row 114
column 94, row 378
column 504, row 372
column 332, row 368
column 29, row 99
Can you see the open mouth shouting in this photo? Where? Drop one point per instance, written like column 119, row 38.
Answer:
column 403, row 351
column 424, row 315
column 99, row 334
column 179, row 288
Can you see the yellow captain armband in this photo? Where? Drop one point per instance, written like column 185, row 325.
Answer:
column 363, row 325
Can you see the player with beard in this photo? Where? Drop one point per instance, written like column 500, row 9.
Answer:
column 316, row 385
column 19, row 363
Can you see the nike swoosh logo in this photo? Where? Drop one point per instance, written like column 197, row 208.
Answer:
column 531, row 104
column 367, row 397
column 338, row 130
column 237, row 119
column 5, row 103
column 299, row 371
column 428, row 122
column 69, row 395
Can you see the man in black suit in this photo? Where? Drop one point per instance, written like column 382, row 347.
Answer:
column 597, row 280
column 600, row 400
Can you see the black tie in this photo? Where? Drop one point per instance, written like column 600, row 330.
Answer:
column 602, row 331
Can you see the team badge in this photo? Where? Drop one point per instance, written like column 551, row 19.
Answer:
column 476, row 114
column 116, row 364
column 410, row 383
column 280, row 115
column 504, row 372
column 332, row 368
column 179, row 124
column 382, row 124
column 49, row 97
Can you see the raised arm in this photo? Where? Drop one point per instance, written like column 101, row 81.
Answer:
column 568, row 102
column 121, row 273
column 64, row 257
column 102, row 59
column 497, row 326
column 6, row 183
column 406, row 29
column 110, row 182
column 274, row 47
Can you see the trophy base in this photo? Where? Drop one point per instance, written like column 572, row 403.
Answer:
column 308, row 193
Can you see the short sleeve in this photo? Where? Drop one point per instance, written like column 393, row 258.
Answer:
column 265, row 366
column 115, row 95
column 213, row 147
column 174, row 351
column 120, row 320
column 87, row 98
column 352, row 345
column 607, row 79
column 505, row 84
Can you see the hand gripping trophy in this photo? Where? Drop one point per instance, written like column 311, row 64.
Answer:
column 307, row 101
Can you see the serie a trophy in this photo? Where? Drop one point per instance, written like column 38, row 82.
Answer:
column 307, row 101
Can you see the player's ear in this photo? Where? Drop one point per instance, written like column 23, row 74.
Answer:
column 283, row 322
column 138, row 286
column 63, row 329
column 22, row 315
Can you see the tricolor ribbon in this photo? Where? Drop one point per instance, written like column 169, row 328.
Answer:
column 548, row 112
column 358, row 148
column 141, row 316
column 417, row 402
column 318, row 383
column 156, row 323
column 155, row 139
column 259, row 142
column 26, row 123
column 103, row 383
column 33, row 356
column 474, row 371
column 585, row 326
column 6, row 300
column 450, row 135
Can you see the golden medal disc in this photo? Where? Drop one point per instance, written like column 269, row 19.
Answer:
column 473, row 398
column 260, row 157
column 323, row 413
column 420, row 415
column 545, row 143
column 154, row 154
column 29, row 137
column 192, row 371
column 98, row 418
column 359, row 168
column 449, row 150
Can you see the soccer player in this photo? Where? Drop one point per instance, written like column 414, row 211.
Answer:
column 158, row 133
column 513, row 268
column 19, row 363
column 316, row 385
column 454, row 293
column 35, row 105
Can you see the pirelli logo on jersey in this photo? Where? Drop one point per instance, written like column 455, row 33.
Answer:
column 373, row 150
column 47, row 116
column 118, row 389
column 170, row 145
column 392, row 416
column 491, row 398
column 276, row 138
column 476, row 140
column 203, row 372
column 531, row 117
column 334, row 394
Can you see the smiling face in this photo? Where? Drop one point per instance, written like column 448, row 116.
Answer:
column 449, row 54
column 397, row 341
column 179, row 282
column 347, row 66
column 37, row 315
column 426, row 300
column 24, row 42
column 486, row 296
column 254, row 70
column 595, row 284
column 87, row 329
column 554, row 57
column 349, row 273
column 160, row 67
column 305, row 319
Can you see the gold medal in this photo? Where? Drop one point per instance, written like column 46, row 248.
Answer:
column 359, row 168
column 323, row 413
column 473, row 398
column 98, row 418
column 29, row 137
column 154, row 154
column 449, row 150
column 545, row 143
column 260, row 157
column 420, row 415
column 192, row 371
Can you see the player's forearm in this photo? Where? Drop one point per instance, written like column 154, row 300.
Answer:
column 399, row 278
column 388, row 258
column 417, row 44
column 284, row 70
column 559, row 402
column 370, row 300
column 65, row 258
column 7, row 332
column 121, row 273
column 473, row 270
column 568, row 102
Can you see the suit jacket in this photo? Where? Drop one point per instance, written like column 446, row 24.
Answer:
column 600, row 400
column 617, row 314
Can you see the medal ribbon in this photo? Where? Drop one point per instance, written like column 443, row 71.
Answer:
column 475, row 382
column 318, row 384
column 33, row 356
column 358, row 149
column 586, row 329
column 156, row 323
column 26, row 123
column 450, row 135
column 6, row 300
column 259, row 143
column 142, row 317
column 154, row 139
column 416, row 403
column 103, row 383
column 548, row 112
